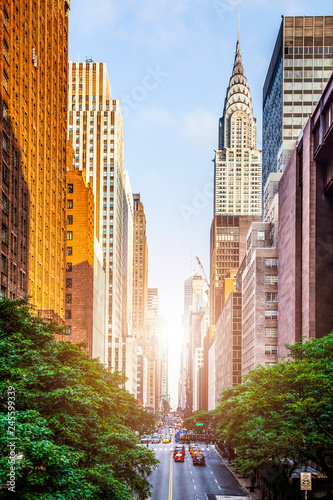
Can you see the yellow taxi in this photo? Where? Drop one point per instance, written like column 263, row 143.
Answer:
column 166, row 439
column 194, row 450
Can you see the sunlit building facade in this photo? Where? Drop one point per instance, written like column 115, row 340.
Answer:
column 237, row 184
column 35, row 46
column 95, row 132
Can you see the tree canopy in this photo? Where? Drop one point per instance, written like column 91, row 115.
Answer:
column 283, row 413
column 198, row 417
column 74, row 421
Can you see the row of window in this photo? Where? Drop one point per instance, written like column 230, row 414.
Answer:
column 308, row 74
column 308, row 50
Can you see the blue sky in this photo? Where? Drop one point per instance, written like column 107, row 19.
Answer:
column 169, row 64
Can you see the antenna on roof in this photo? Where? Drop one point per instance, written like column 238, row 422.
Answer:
column 238, row 22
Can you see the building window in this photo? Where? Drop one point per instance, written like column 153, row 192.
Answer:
column 68, row 330
column 5, row 50
column 5, row 81
column 70, row 188
column 271, row 314
column 5, row 19
column 271, row 262
column 271, row 280
column 69, row 267
column 4, row 234
column 69, row 235
column 5, row 111
column 271, row 349
column 68, row 314
column 261, row 235
column 5, row 176
column 69, row 283
column 271, row 332
column 69, row 203
column 68, row 298
column 69, row 219
column 3, row 264
column 271, row 297
column 4, row 142
column 4, row 203
column 69, row 251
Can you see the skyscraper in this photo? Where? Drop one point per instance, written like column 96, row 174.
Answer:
column 237, row 181
column 35, row 46
column 237, row 176
column 300, row 66
column 140, row 270
column 194, row 297
column 95, row 132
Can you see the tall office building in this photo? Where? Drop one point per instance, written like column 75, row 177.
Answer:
column 153, row 321
column 228, row 248
column 300, row 66
column 140, row 270
column 35, row 45
column 95, row 132
column 139, row 305
column 237, row 176
column 85, row 276
column 237, row 183
column 194, row 296
column 128, row 214
column 130, row 355
column 164, row 354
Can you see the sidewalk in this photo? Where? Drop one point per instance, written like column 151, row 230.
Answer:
column 245, row 482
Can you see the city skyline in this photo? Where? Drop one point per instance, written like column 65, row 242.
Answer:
column 169, row 132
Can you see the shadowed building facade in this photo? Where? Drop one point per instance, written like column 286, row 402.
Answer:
column 306, row 231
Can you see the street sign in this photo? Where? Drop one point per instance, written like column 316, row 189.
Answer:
column 198, row 424
column 306, row 481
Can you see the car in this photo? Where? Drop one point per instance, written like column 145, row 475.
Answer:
column 195, row 450
column 178, row 457
column 198, row 459
column 166, row 439
column 179, row 448
column 144, row 439
column 156, row 439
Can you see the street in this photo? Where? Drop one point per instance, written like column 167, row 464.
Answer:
column 184, row 481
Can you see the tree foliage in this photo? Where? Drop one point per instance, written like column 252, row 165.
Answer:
column 198, row 417
column 74, row 420
column 283, row 413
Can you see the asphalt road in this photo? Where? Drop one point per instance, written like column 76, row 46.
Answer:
column 185, row 481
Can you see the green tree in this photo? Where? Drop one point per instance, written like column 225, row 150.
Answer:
column 198, row 417
column 283, row 413
column 74, row 420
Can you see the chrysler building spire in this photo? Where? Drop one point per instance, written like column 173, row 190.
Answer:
column 237, row 161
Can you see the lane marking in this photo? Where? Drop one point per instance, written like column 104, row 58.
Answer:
column 170, row 477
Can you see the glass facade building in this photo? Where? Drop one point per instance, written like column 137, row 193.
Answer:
column 301, row 65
